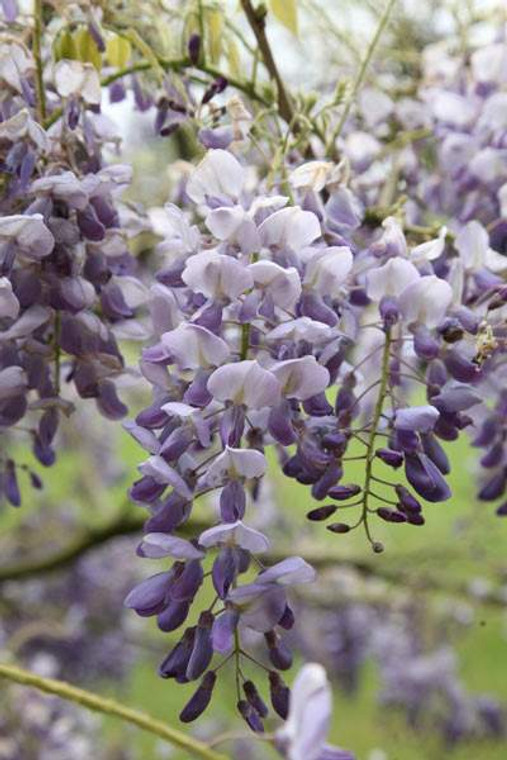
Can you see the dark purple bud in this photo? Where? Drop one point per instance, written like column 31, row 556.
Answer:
column 280, row 694
column 225, row 569
column 152, row 417
column 322, row 513
column 176, row 444
column 200, row 700
column 407, row 440
column 44, row 454
column 389, row 311
column 96, row 34
column 502, row 510
column 170, row 127
column 216, row 87
column 287, row 620
column 108, row 402
column 425, row 345
column 331, row 476
column 174, row 511
column 460, row 367
column 90, row 225
column 202, row 651
column 280, row 424
column 279, row 654
column 173, row 616
column 146, row 490
column 408, row 503
column 435, row 452
column 175, row 664
column 232, row 501
column 339, row 527
column 318, row 406
column 336, row 442
column 487, row 433
column 188, row 583
column 494, row 456
column 10, row 484
column 344, row 492
column 426, row 478
column 194, row 48
column 250, row 715
column 415, row 518
column 493, row 488
column 35, row 481
column 391, row 515
column 255, row 699
column 390, row 457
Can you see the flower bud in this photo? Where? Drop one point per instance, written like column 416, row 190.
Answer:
column 254, row 698
column 200, row 699
column 338, row 527
column 279, row 693
column 321, row 513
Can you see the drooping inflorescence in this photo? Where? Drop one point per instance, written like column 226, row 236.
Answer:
column 332, row 302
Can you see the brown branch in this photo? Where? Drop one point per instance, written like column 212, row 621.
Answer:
column 257, row 20
column 91, row 538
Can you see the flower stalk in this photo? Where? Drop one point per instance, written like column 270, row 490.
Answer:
column 106, row 706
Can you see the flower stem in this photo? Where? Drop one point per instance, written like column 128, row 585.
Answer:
column 377, row 414
column 106, row 706
column 362, row 70
column 37, row 54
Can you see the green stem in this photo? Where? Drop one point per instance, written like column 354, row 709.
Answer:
column 37, row 54
column 109, row 707
column 245, row 340
column 370, row 447
column 58, row 352
column 362, row 70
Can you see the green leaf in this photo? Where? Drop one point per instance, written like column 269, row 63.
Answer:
column 64, row 46
column 214, row 22
column 286, row 11
column 87, row 50
column 118, row 51
column 233, row 58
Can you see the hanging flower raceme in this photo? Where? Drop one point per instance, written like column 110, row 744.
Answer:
column 266, row 335
column 67, row 280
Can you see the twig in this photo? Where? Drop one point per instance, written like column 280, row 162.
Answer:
column 37, row 54
column 110, row 707
column 257, row 21
column 362, row 70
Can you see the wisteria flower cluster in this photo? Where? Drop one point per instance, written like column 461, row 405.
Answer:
column 275, row 327
column 67, row 280
column 339, row 300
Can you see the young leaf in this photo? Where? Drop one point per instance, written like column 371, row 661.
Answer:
column 286, row 12
column 214, row 29
column 233, row 58
column 87, row 50
column 64, row 46
column 118, row 51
